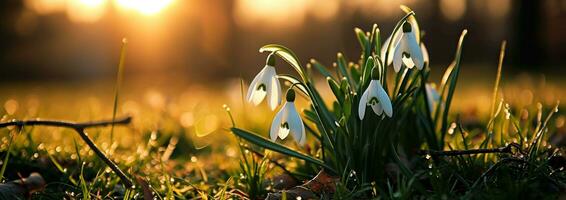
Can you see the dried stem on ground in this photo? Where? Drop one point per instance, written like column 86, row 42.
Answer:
column 80, row 129
column 506, row 149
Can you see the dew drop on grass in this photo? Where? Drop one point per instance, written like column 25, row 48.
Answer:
column 226, row 107
column 299, row 198
column 428, row 156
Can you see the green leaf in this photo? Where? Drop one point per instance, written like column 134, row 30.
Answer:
column 335, row 89
column 366, row 73
column 362, row 39
column 260, row 141
column 347, row 106
column 377, row 40
column 321, row 68
column 452, row 85
column 355, row 71
column 342, row 64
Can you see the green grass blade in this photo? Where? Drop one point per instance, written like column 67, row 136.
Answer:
column 452, row 86
column 321, row 68
column 498, row 76
column 366, row 73
column 119, row 77
column 335, row 90
column 342, row 66
column 7, row 157
column 362, row 39
column 262, row 142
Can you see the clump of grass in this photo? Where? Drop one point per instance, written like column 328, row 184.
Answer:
column 383, row 149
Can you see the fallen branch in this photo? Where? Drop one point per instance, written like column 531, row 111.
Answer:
column 506, row 149
column 80, row 129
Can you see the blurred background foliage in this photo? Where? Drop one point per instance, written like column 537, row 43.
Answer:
column 63, row 40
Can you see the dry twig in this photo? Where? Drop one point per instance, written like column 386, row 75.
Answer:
column 80, row 129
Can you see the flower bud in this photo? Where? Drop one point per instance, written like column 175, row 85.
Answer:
column 270, row 59
column 290, row 95
column 407, row 27
column 375, row 73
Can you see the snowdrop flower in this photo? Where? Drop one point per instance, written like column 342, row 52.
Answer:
column 265, row 84
column 288, row 121
column 398, row 37
column 376, row 97
column 432, row 96
column 407, row 50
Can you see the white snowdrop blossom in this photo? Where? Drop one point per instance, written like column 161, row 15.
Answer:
column 375, row 97
column 265, row 84
column 407, row 50
column 288, row 121
column 398, row 37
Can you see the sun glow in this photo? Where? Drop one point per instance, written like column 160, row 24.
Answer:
column 145, row 7
column 86, row 10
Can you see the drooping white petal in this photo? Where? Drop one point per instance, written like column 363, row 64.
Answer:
column 425, row 53
column 363, row 104
column 254, row 85
column 275, row 93
column 404, row 50
column 275, row 125
column 398, row 55
column 383, row 98
column 303, row 139
column 260, row 86
column 284, row 125
column 295, row 123
column 414, row 50
column 393, row 47
column 258, row 96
